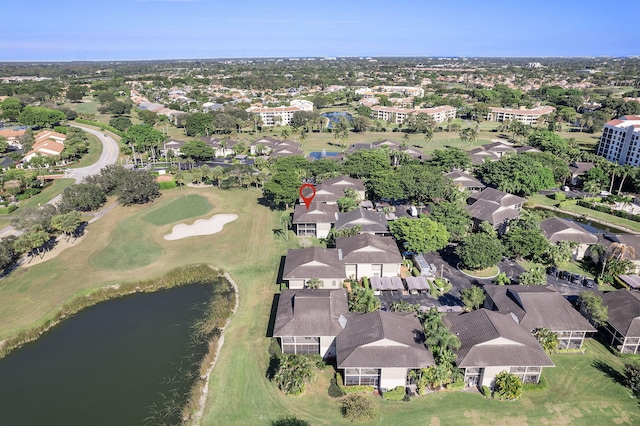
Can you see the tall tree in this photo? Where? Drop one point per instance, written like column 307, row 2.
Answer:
column 420, row 235
column 472, row 298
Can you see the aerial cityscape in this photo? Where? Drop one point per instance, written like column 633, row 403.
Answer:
column 298, row 214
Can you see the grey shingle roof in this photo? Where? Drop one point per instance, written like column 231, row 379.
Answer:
column 344, row 182
column 538, row 306
column 313, row 262
column 317, row 213
column 311, row 313
column 465, row 179
column 490, row 338
column 369, row 221
column 557, row 229
column 491, row 212
column 503, row 198
column 367, row 248
column 624, row 311
column 382, row 339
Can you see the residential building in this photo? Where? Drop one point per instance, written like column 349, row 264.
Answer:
column 308, row 321
column 523, row 115
column 623, row 325
column 494, row 206
column 620, row 141
column 398, row 115
column 369, row 221
column 629, row 245
column 380, row 349
column 46, row 143
column 466, row 181
column 367, row 255
column 578, row 169
column 540, row 307
column 491, row 342
column 315, row 221
column 12, row 136
column 305, row 264
column 272, row 116
column 556, row 229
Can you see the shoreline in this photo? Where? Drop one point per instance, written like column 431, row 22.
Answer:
column 102, row 294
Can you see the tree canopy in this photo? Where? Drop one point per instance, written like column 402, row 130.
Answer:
column 420, row 235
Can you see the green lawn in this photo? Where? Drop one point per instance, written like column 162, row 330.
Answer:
column 91, row 157
column 47, row 194
column 189, row 206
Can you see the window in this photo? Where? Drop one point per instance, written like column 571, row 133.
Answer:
column 300, row 345
column 362, row 376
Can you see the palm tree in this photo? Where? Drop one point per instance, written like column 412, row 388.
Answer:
column 428, row 134
column 547, row 339
column 217, row 173
column 620, row 250
column 206, row 172
column 627, row 171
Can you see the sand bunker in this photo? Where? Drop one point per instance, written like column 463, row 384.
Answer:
column 201, row 227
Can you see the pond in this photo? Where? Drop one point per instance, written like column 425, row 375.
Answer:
column 334, row 117
column 316, row 155
column 128, row 361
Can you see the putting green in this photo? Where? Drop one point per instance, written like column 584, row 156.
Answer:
column 130, row 247
column 192, row 205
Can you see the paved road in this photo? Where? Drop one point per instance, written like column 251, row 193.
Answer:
column 110, row 152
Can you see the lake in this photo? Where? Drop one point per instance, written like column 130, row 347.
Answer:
column 128, row 361
column 334, row 117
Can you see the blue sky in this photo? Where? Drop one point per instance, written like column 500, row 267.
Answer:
column 171, row 29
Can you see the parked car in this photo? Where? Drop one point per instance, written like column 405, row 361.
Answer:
column 589, row 283
column 576, row 279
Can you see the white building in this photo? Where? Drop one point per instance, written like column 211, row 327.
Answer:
column 302, row 104
column 620, row 141
column 523, row 115
column 398, row 115
column 271, row 116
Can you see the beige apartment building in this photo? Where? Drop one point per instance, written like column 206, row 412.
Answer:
column 523, row 115
column 398, row 115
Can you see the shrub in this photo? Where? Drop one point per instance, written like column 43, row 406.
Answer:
column 632, row 378
column 536, row 387
column 357, row 408
column 8, row 209
column 396, row 394
column 168, row 185
column 486, row 391
column 560, row 196
column 335, row 391
column 353, row 388
column 508, row 386
column 456, row 385
column 289, row 421
column 415, row 272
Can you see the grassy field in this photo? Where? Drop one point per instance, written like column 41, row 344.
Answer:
column 580, row 387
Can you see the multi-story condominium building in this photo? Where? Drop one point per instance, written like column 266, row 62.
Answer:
column 523, row 115
column 620, row 140
column 271, row 116
column 398, row 115
column 383, row 90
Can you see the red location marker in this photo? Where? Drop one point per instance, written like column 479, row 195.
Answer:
column 307, row 192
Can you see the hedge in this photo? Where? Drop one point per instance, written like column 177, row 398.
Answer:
column 353, row 388
column 102, row 126
column 609, row 210
column 9, row 209
column 396, row 394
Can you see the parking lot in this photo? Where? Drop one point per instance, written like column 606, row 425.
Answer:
column 445, row 262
